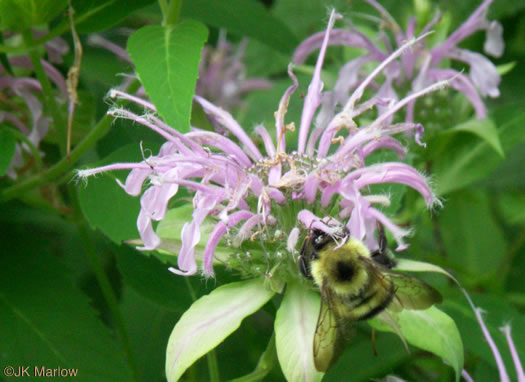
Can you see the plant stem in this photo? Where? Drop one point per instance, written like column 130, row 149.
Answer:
column 211, row 357
column 164, row 8
column 108, row 293
column 64, row 164
column 173, row 13
column 213, row 366
column 47, row 91
column 264, row 366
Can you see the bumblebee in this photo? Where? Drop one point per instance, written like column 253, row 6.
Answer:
column 355, row 285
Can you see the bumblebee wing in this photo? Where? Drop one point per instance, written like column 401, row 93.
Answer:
column 413, row 293
column 328, row 340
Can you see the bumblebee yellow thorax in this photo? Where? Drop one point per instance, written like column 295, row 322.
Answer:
column 341, row 268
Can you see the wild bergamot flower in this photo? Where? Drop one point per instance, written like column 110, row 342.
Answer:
column 419, row 66
column 261, row 201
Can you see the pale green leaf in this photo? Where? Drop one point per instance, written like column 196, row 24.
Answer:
column 167, row 62
column 472, row 237
column 484, row 129
column 505, row 68
column 407, row 265
column 295, row 324
column 209, row 321
column 431, row 330
column 466, row 159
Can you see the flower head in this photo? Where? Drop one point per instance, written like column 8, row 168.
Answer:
column 20, row 100
column 421, row 65
column 275, row 194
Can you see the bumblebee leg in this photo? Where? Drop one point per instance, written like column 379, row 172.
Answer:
column 303, row 267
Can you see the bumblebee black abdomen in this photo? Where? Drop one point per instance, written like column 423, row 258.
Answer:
column 372, row 300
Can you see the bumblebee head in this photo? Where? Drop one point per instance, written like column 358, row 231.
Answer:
column 341, row 268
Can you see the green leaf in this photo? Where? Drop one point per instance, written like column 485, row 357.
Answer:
column 209, row 321
column 7, row 150
column 513, row 207
column 99, row 15
column 164, row 289
column 46, row 320
column 407, row 265
column 471, row 236
column 390, row 353
column 504, row 176
column 430, row 330
column 18, row 15
column 464, row 159
column 148, row 341
column 105, row 205
column 167, row 62
column 295, row 324
column 234, row 15
column 505, row 68
column 485, row 129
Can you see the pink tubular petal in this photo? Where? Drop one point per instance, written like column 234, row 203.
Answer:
column 216, row 235
column 310, row 188
column 398, row 232
column 313, row 96
column 115, row 93
column 462, row 84
column 311, row 221
column 328, row 192
column 222, row 143
column 148, row 236
column 226, row 120
column 385, row 143
column 254, row 84
column 246, row 228
column 475, row 22
column 99, row 41
column 55, row 76
column 337, row 37
column 482, row 72
column 155, row 200
column 515, row 356
column 392, row 172
column 135, row 179
column 261, row 131
column 191, row 234
column 466, row 376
